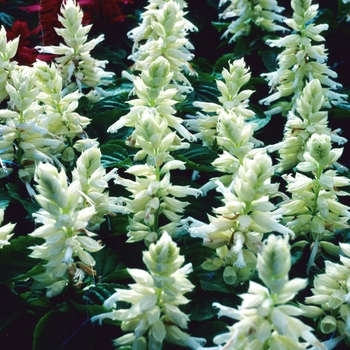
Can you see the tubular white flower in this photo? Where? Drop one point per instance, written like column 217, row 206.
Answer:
column 93, row 183
column 302, row 61
column 23, row 139
column 74, row 57
column 59, row 117
column 307, row 121
column 8, row 50
column 63, row 222
column 154, row 313
column 263, row 13
column 5, row 230
column 163, row 33
column 265, row 320
column 230, row 114
column 247, row 214
column 331, row 294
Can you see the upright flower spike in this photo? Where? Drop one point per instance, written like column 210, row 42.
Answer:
column 306, row 120
column 59, row 116
column 301, row 61
column 68, row 243
column 74, row 59
column 23, row 140
column 93, row 181
column 226, row 124
column 152, row 196
column 331, row 293
column 237, row 230
column 244, row 13
column 156, row 133
column 314, row 210
column 154, row 315
column 154, row 95
column 5, row 231
column 8, row 50
column 163, row 33
column 265, row 320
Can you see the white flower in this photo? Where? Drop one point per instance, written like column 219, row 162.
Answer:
column 265, row 320
column 63, row 224
column 5, row 231
column 154, row 299
column 244, row 12
column 74, row 58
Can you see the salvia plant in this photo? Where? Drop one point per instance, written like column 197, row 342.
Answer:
column 174, row 175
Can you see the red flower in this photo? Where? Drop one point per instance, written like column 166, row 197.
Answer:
column 106, row 11
column 26, row 54
column 102, row 11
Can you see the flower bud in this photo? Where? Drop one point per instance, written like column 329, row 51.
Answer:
column 274, row 263
column 328, row 324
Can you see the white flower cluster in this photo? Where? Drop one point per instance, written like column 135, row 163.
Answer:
column 163, row 33
column 307, row 119
column 301, row 61
column 238, row 227
column 8, row 50
column 155, row 133
column 23, row 139
column 5, row 231
column 68, row 213
column 265, row 319
column 237, row 230
column 74, row 60
column 314, row 210
column 332, row 294
column 244, row 13
column 154, row 315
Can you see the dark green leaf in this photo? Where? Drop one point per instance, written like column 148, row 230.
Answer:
column 209, row 330
column 6, row 19
column 197, row 157
column 269, row 59
column 220, row 26
column 11, row 305
column 109, row 266
column 15, row 264
column 114, row 155
column 61, row 330
column 202, row 309
column 214, row 282
column 261, row 122
column 5, row 198
column 29, row 204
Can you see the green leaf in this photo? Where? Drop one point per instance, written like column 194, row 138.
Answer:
column 5, row 198
column 114, row 155
column 220, row 26
column 261, row 122
column 214, row 282
column 269, row 59
column 10, row 305
column 197, row 157
column 209, row 330
column 202, row 309
column 62, row 330
column 109, row 266
column 29, row 205
column 6, row 19
column 15, row 264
